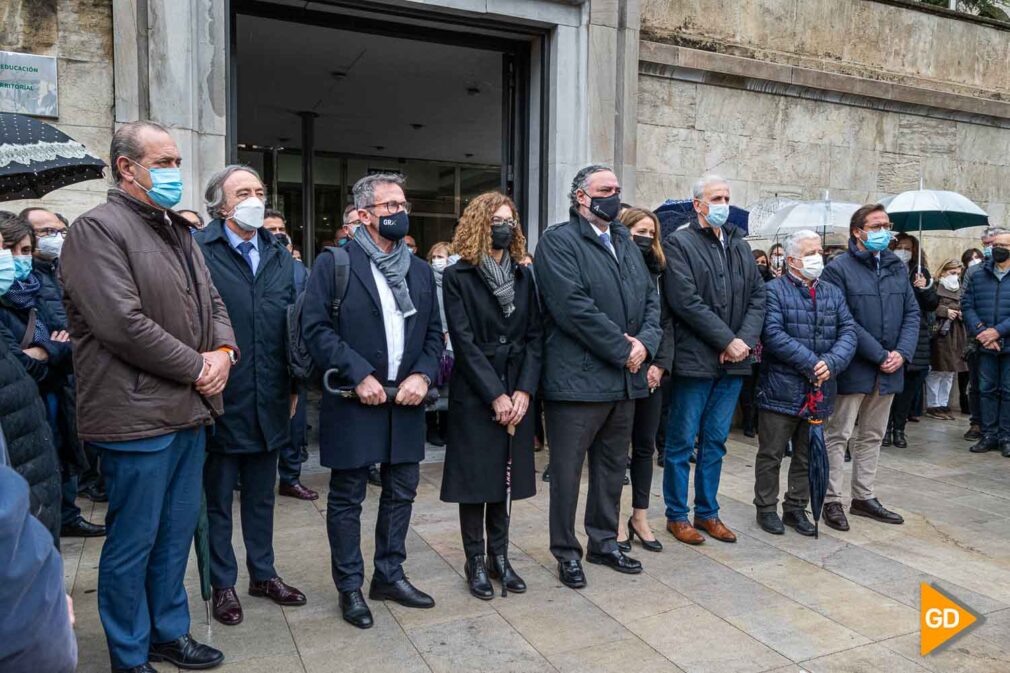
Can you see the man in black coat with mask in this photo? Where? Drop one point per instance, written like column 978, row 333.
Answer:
column 602, row 327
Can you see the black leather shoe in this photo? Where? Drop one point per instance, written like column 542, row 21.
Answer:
column 547, row 474
column 888, row 438
column 771, row 523
column 509, row 577
column 974, row 433
column 616, row 560
column 374, row 477
column 834, row 516
column 571, row 574
column 625, row 545
column 983, row 445
column 872, row 509
column 1004, row 448
column 402, row 592
column 848, row 455
column 143, row 668
column 648, row 545
column 798, row 521
column 477, row 580
column 82, row 528
column 900, row 441
column 186, row 653
column 355, row 609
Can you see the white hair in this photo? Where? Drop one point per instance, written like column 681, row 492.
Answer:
column 698, row 190
column 792, row 244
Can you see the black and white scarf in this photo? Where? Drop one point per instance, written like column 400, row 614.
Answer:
column 393, row 265
column 500, row 278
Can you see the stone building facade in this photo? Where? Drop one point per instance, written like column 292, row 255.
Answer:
column 782, row 97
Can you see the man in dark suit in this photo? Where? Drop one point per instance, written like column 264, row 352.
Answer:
column 387, row 336
column 253, row 273
column 601, row 325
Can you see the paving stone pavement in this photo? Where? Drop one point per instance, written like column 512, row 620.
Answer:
column 845, row 603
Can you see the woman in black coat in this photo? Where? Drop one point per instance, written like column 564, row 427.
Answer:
column 494, row 324
column 643, row 225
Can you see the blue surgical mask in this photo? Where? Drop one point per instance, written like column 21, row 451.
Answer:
column 718, row 213
column 22, row 266
column 877, row 241
column 6, row 271
column 166, row 185
column 987, row 251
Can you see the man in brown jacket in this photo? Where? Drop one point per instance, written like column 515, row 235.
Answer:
column 153, row 347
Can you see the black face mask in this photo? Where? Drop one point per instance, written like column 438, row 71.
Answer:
column 644, row 244
column 605, row 207
column 283, row 239
column 501, row 236
column 1000, row 255
column 394, row 227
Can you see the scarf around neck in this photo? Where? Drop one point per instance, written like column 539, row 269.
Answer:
column 393, row 265
column 22, row 295
column 500, row 278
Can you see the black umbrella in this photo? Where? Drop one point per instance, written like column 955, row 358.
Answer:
column 817, row 456
column 36, row 158
column 511, row 430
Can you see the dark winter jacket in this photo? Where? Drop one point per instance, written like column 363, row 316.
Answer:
column 28, row 437
column 301, row 277
column 886, row 314
column 803, row 326
column 52, row 292
column 716, row 294
column 986, row 303
column 591, row 301
column 257, row 397
column 49, row 374
column 928, row 300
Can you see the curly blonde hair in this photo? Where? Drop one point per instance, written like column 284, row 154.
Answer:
column 472, row 239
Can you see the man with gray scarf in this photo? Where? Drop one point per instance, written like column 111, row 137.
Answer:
column 385, row 342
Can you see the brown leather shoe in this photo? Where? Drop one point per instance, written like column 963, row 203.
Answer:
column 716, row 529
column 276, row 590
column 227, row 609
column 296, row 490
column 684, row 532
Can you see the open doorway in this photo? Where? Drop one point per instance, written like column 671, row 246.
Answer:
column 446, row 109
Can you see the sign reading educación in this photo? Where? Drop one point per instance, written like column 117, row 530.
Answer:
column 28, row 84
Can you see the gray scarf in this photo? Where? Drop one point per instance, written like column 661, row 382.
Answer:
column 393, row 265
column 500, row 279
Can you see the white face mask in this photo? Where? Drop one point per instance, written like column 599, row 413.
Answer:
column 439, row 264
column 904, row 255
column 813, row 265
column 248, row 214
column 974, row 262
column 952, row 283
column 49, row 247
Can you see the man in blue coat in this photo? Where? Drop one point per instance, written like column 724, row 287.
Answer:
column 253, row 274
column 386, row 336
column 882, row 302
column 809, row 338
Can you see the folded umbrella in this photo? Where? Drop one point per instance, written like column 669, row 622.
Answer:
column 36, row 158
column 201, row 540
column 817, row 456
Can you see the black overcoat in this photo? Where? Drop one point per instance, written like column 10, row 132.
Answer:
column 494, row 356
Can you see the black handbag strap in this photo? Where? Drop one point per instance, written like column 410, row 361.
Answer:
column 29, row 336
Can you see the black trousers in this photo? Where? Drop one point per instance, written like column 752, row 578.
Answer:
column 901, row 408
column 666, row 389
column 602, row 430
column 774, row 434
column 289, row 462
column 343, row 523
column 748, row 400
column 974, row 397
column 258, row 471
column 643, row 447
column 473, row 517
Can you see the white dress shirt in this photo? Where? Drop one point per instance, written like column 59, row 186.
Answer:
column 600, row 232
column 392, row 321
column 237, row 240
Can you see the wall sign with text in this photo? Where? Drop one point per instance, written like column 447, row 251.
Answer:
column 28, row 84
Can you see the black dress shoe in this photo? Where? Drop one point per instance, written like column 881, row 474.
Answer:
column 625, row 545
column 374, row 477
column 798, row 521
column 616, row 560
column 509, row 577
column 434, row 438
column 748, row 431
column 402, row 592
column 143, row 668
column 477, row 580
column 848, row 455
column 983, row 445
column 355, row 609
column 834, row 516
column 888, row 438
column 771, row 523
column 571, row 574
column 648, row 545
column 1004, row 448
column 974, row 433
column 626, row 480
column 900, row 441
column 186, row 653
column 547, row 474
column 872, row 509
column 82, row 528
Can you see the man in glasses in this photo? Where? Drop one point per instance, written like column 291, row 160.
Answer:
column 882, row 302
column 385, row 343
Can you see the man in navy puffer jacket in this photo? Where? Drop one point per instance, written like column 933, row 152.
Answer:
column 809, row 337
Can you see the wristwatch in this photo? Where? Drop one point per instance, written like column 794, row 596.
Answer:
column 427, row 380
column 231, row 354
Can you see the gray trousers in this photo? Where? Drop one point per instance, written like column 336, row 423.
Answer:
column 774, row 433
column 872, row 411
column 603, row 430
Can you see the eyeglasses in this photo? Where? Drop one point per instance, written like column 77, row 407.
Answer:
column 498, row 221
column 50, row 231
column 883, row 226
column 392, row 206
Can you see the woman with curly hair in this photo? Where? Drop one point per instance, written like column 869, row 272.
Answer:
column 494, row 324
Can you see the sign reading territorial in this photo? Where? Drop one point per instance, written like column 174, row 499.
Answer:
column 28, row 84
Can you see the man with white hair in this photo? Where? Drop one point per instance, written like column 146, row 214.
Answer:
column 717, row 296
column 809, row 337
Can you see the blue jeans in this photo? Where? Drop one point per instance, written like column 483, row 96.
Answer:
column 994, row 398
column 701, row 408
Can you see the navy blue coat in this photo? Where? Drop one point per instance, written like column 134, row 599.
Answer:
column 800, row 331
column 257, row 397
column 51, row 374
column 351, row 434
column 51, row 292
column 886, row 314
column 986, row 304
column 301, row 276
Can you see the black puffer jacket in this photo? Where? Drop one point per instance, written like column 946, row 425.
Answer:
column 29, row 441
column 928, row 300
